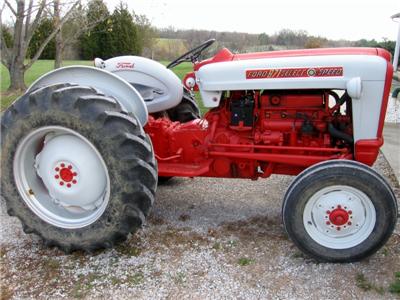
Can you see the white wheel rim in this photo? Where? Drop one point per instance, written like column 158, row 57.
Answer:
column 339, row 217
column 61, row 177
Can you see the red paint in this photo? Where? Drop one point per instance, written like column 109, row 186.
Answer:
column 66, row 174
column 384, row 53
column 308, row 52
column 366, row 151
column 280, row 139
column 222, row 55
column 294, row 73
column 125, row 65
column 339, row 216
column 385, row 96
column 275, row 144
column 187, row 76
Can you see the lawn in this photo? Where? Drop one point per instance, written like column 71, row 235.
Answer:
column 42, row 66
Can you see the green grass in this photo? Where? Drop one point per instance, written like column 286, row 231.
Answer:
column 41, row 67
column 245, row 261
column 395, row 286
column 363, row 283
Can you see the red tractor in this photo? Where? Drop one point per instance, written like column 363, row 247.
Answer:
column 84, row 147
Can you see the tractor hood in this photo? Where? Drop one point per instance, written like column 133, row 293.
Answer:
column 344, row 71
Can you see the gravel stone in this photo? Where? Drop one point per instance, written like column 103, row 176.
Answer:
column 196, row 256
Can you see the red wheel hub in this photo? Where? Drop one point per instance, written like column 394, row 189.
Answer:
column 66, row 175
column 339, row 217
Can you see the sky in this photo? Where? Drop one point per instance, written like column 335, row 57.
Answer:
column 334, row 19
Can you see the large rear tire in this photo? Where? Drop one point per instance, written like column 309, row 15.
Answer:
column 76, row 170
column 339, row 211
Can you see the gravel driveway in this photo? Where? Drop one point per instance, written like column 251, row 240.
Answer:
column 206, row 239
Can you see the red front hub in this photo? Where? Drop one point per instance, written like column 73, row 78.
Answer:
column 339, row 217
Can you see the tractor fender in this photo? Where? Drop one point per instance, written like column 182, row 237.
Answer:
column 160, row 88
column 106, row 82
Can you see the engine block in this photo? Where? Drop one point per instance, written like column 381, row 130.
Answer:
column 256, row 133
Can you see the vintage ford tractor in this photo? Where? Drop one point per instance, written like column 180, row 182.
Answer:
column 84, row 147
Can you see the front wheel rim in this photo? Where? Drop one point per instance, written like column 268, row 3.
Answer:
column 339, row 217
column 61, row 177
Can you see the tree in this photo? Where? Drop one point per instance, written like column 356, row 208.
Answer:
column 27, row 20
column 315, row 42
column 97, row 40
column 263, row 39
column 124, row 34
column 72, row 30
column 58, row 40
column 8, row 39
column 39, row 36
column 146, row 34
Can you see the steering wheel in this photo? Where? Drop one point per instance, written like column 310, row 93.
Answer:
column 192, row 55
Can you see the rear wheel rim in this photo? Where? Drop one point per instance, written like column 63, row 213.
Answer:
column 61, row 177
column 339, row 217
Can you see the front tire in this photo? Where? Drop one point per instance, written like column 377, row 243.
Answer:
column 339, row 211
column 76, row 170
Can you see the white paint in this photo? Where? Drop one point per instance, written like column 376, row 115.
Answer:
column 362, row 218
column 139, row 70
column 75, row 207
column 217, row 77
column 91, row 177
column 354, row 88
column 104, row 81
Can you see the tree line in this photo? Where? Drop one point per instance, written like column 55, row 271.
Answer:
column 283, row 39
column 104, row 34
column 44, row 29
column 47, row 29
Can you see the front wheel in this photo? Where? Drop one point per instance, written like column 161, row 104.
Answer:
column 339, row 211
column 75, row 169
